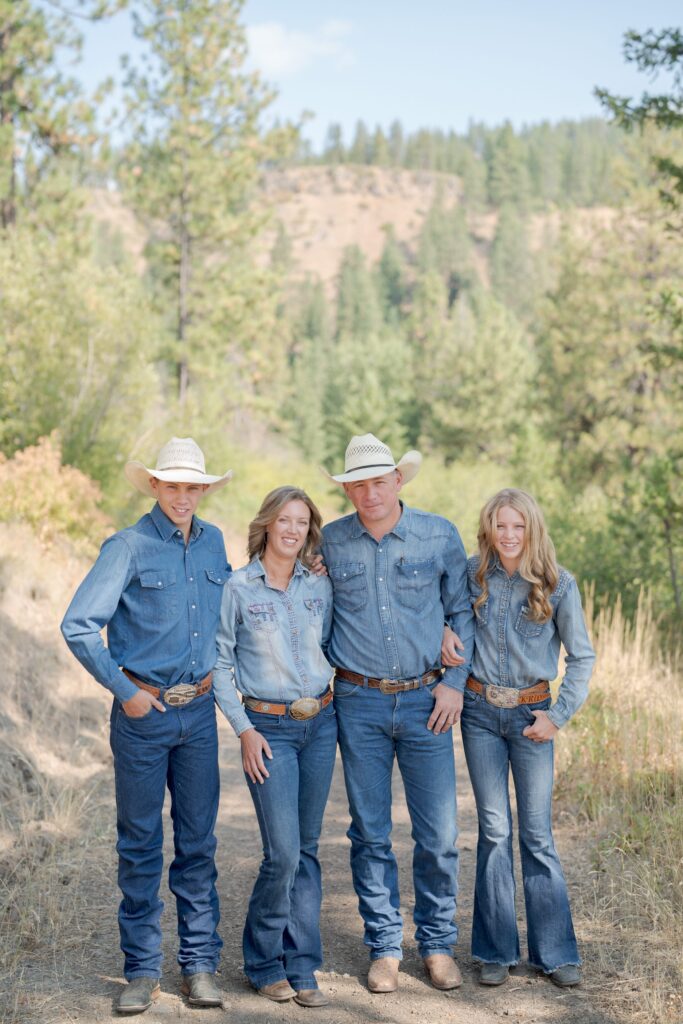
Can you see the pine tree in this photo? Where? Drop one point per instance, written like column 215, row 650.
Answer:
column 191, row 173
column 45, row 124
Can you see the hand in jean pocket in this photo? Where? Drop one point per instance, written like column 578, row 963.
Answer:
column 542, row 729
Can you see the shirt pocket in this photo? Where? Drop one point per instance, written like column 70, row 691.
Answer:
column 159, row 595
column 216, row 580
column 262, row 616
column 527, row 627
column 315, row 607
column 413, row 582
column 350, row 585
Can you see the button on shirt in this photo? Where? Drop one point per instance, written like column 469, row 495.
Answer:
column 159, row 599
column 270, row 641
column 513, row 650
column 392, row 597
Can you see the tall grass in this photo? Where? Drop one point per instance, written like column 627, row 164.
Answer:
column 621, row 766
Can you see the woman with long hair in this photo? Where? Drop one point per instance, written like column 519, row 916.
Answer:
column 526, row 607
column 275, row 617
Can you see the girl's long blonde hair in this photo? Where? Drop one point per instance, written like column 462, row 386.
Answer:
column 539, row 562
column 272, row 505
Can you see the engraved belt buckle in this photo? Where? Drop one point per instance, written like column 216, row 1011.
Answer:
column 304, row 707
column 389, row 685
column 180, row 694
column 502, row 696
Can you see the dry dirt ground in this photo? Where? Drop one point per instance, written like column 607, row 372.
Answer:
column 81, row 983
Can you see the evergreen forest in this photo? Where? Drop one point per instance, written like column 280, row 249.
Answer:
column 528, row 333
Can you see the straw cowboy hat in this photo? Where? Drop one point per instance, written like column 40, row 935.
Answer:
column 367, row 457
column 181, row 461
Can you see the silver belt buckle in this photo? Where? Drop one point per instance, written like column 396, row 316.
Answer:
column 180, row 694
column 389, row 685
column 502, row 696
column 304, row 707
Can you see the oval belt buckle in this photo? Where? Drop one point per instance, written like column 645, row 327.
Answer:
column 180, row 694
column 502, row 696
column 303, row 708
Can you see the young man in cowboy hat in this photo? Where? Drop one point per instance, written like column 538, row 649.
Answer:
column 157, row 587
column 398, row 574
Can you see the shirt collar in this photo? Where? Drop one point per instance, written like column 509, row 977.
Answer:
column 167, row 529
column 497, row 567
column 402, row 528
column 256, row 569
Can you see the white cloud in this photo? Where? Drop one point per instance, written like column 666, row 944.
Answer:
column 278, row 51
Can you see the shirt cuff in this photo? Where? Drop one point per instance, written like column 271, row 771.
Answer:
column 557, row 718
column 240, row 722
column 122, row 688
column 455, row 678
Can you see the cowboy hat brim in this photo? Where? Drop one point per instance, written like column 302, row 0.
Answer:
column 138, row 475
column 409, row 466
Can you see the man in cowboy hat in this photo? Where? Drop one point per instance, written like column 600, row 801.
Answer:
column 398, row 575
column 157, row 587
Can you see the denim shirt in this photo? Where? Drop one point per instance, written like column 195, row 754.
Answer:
column 392, row 597
column 270, row 641
column 160, row 601
column 513, row 650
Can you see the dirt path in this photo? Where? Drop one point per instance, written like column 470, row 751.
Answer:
column 83, row 983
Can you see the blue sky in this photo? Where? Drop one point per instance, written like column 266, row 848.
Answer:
column 435, row 63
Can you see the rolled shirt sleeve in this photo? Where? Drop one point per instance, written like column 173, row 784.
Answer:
column 579, row 658
column 91, row 609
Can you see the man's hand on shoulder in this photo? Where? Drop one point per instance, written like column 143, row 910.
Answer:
column 139, row 705
column 318, row 566
column 447, row 708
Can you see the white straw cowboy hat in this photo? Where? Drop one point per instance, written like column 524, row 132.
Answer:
column 181, row 461
column 367, row 457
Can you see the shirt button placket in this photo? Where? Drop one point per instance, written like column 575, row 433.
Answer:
column 381, row 570
column 502, row 645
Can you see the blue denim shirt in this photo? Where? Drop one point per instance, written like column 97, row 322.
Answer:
column 392, row 597
column 513, row 650
column 270, row 641
column 159, row 600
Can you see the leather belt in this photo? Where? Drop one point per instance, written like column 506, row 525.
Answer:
column 510, row 696
column 300, row 710
column 175, row 696
column 388, row 685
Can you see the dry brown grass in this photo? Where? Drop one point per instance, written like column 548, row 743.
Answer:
column 621, row 766
column 53, row 749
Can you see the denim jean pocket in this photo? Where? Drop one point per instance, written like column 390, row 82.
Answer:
column 343, row 689
column 528, row 709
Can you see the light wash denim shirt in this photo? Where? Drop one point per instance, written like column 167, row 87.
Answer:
column 270, row 641
column 160, row 601
column 512, row 650
column 392, row 597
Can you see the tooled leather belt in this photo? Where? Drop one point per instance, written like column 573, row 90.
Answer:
column 510, row 696
column 388, row 685
column 300, row 710
column 174, row 696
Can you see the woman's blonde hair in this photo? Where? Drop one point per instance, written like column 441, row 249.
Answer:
column 539, row 562
column 271, row 507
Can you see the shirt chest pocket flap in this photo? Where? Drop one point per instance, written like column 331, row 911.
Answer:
column 159, row 593
column 413, row 580
column 350, row 585
column 215, row 582
column 528, row 627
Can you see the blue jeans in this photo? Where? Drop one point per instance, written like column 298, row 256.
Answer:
column 282, row 932
column 374, row 729
column 178, row 749
column 494, row 743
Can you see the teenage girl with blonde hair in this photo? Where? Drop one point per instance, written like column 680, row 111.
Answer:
column 526, row 607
